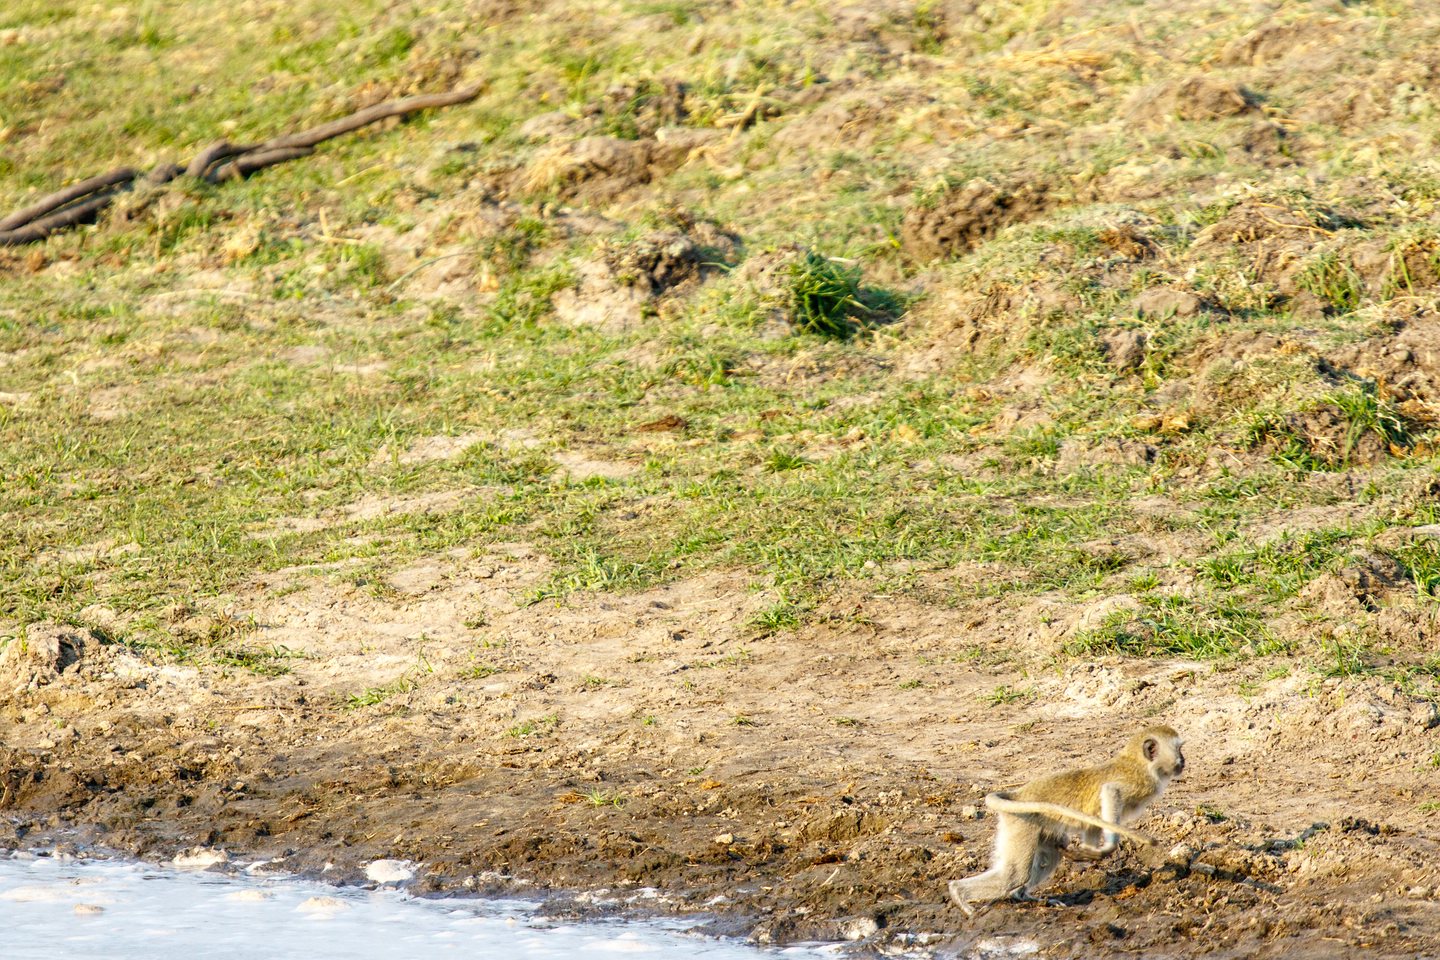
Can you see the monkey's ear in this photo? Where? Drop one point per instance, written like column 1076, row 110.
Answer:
column 1150, row 747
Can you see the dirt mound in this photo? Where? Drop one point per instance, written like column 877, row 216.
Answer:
column 627, row 281
column 1129, row 242
column 41, row 656
column 638, row 110
column 1327, row 435
column 1406, row 362
column 1199, row 97
column 1207, row 98
column 1162, row 303
column 962, row 219
column 1110, row 452
column 1313, row 41
column 1261, row 219
column 602, row 167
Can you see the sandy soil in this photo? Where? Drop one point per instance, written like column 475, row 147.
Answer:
column 650, row 751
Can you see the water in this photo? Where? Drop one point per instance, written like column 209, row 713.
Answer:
column 65, row 909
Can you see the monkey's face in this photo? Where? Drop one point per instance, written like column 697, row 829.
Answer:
column 1165, row 755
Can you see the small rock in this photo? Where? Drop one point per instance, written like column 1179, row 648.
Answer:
column 858, row 928
column 1161, row 303
column 1180, row 855
column 725, row 839
column 1125, row 349
column 1076, row 453
column 88, row 909
column 971, row 812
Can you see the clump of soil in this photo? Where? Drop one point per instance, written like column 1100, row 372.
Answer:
column 1129, row 242
column 1284, row 42
column 1110, row 452
column 638, row 110
column 1125, row 349
column 1373, row 577
column 602, row 167
column 1196, row 98
column 1207, row 98
column 1406, row 362
column 41, row 656
column 1326, row 435
column 1255, row 220
column 1162, row 303
column 962, row 219
column 618, row 289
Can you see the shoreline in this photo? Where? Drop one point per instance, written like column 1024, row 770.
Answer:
column 532, row 781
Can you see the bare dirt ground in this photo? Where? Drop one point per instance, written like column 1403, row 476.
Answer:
column 815, row 785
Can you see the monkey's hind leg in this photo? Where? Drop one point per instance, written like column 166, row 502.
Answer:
column 1018, row 855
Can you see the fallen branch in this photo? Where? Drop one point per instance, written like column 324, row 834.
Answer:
column 82, row 202
column 74, row 192
column 247, row 163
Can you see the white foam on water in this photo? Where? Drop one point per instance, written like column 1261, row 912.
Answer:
column 390, row 871
column 154, row 913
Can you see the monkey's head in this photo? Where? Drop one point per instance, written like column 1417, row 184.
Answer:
column 1160, row 748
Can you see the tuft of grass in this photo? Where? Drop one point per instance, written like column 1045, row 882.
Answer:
column 1331, row 278
column 1347, row 658
column 373, row 696
column 825, row 295
column 1279, row 568
column 531, row 728
column 781, row 460
column 1369, row 412
column 1364, row 412
column 787, row 613
column 268, row 662
column 1421, row 560
column 524, row 298
column 1007, row 694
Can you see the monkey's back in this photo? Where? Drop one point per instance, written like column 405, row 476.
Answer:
column 1078, row 789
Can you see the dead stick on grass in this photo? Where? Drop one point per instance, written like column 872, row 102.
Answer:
column 82, row 201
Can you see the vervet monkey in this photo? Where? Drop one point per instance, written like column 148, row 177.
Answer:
column 1042, row 820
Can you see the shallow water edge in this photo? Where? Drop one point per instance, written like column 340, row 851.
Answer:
column 55, row 904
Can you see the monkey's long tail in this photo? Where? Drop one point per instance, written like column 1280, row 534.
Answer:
column 1004, row 804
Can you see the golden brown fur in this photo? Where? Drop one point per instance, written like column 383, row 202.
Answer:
column 1043, row 820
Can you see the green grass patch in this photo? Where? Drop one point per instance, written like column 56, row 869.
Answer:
column 1175, row 625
